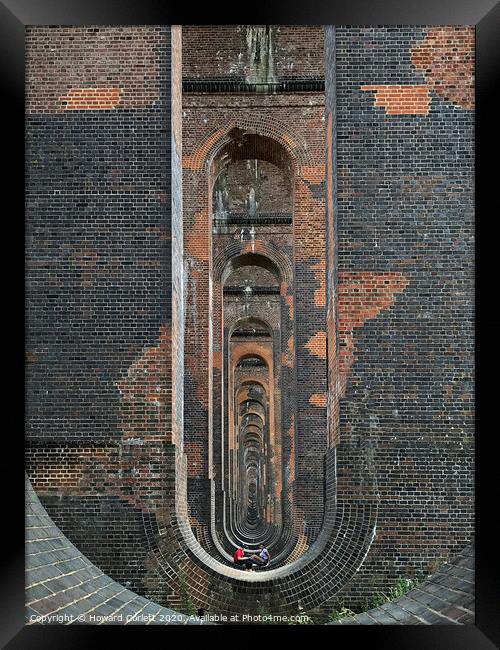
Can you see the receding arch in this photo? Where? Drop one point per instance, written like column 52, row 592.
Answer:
column 249, row 419
column 215, row 141
column 250, row 356
column 262, row 249
column 251, row 259
column 251, row 406
column 253, row 382
column 250, row 145
column 249, row 321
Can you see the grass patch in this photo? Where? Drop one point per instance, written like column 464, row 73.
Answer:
column 400, row 588
column 339, row 614
column 187, row 606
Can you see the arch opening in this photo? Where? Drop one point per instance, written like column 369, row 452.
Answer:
column 251, row 203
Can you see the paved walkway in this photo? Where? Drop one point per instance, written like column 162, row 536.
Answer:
column 447, row 597
column 64, row 587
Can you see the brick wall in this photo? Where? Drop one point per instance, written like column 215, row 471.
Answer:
column 272, row 188
column 404, row 228
column 376, row 292
column 98, row 269
column 235, row 51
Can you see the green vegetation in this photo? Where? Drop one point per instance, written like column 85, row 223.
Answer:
column 402, row 586
column 187, row 606
column 340, row 611
column 301, row 618
column 339, row 614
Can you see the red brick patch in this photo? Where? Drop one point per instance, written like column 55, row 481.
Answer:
column 91, row 99
column 446, row 56
column 318, row 399
column 317, row 345
column 402, row 100
column 362, row 296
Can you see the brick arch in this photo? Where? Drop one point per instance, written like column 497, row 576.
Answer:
column 248, row 320
column 251, row 433
column 257, row 434
column 245, row 349
column 250, row 382
column 237, row 249
column 257, row 354
column 253, row 411
column 333, row 555
column 249, row 421
column 206, row 152
column 251, row 407
column 242, row 146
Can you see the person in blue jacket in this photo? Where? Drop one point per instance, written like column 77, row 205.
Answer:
column 262, row 559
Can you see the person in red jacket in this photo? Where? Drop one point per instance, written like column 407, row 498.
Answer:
column 240, row 559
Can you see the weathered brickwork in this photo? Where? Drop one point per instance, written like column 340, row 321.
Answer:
column 446, row 57
column 61, row 582
column 98, row 304
column 249, row 305
column 91, row 99
column 402, row 100
column 89, row 68
column 284, row 167
column 234, row 52
column 404, row 229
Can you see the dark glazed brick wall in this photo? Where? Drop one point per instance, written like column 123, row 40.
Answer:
column 97, row 254
column 106, row 529
column 405, row 207
column 98, row 274
column 104, row 308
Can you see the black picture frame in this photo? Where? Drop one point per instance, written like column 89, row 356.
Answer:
column 485, row 15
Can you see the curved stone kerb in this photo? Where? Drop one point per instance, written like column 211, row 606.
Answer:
column 63, row 585
column 446, row 598
column 348, row 532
